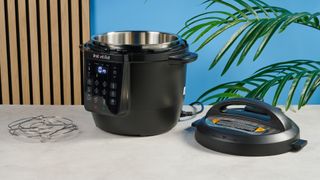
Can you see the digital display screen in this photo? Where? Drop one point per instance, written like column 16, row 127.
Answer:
column 102, row 70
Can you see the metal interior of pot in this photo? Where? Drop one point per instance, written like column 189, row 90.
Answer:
column 146, row 39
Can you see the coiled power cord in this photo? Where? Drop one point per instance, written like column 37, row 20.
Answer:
column 195, row 111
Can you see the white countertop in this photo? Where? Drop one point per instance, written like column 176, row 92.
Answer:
column 95, row 154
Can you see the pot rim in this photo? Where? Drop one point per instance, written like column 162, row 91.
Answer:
column 143, row 39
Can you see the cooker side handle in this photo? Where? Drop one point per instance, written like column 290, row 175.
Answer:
column 184, row 58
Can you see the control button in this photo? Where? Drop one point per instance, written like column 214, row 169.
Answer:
column 113, row 93
column 96, row 90
column 95, row 99
column 104, row 92
column 89, row 82
column 114, row 72
column 89, row 97
column 96, row 82
column 113, row 86
column 89, row 90
column 104, row 84
column 112, row 101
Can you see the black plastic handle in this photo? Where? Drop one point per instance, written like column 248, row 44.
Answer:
column 89, row 45
column 183, row 58
column 278, row 119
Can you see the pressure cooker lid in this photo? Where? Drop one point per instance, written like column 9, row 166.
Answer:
column 148, row 40
column 257, row 129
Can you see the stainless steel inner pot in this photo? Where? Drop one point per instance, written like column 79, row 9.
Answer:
column 145, row 39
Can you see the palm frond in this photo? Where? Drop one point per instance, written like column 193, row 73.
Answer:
column 258, row 23
column 278, row 75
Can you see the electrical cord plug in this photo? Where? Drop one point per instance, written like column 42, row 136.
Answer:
column 186, row 113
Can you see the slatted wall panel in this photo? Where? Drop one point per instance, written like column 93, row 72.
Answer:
column 40, row 59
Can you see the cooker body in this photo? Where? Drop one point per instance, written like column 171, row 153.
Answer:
column 135, row 89
column 156, row 98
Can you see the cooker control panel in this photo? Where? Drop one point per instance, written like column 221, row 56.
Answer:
column 103, row 82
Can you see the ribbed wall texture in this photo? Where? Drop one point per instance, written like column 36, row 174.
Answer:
column 40, row 59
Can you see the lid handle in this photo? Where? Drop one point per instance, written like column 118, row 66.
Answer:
column 278, row 119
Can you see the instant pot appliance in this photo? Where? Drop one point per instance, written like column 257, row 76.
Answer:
column 134, row 81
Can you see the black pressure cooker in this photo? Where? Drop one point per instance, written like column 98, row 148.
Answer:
column 134, row 81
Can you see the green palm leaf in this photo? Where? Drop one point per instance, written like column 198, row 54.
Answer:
column 259, row 23
column 308, row 84
column 217, row 33
column 234, row 37
column 251, row 33
column 295, row 72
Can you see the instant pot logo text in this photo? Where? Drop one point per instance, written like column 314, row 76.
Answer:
column 101, row 56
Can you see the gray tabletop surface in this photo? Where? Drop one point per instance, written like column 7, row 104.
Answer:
column 95, row 154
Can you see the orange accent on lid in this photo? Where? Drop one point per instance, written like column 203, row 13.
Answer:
column 260, row 129
column 215, row 121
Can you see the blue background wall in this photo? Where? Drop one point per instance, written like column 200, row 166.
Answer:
column 296, row 42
